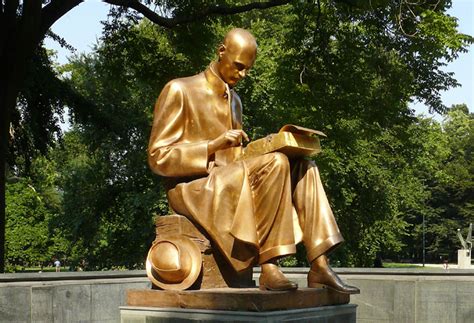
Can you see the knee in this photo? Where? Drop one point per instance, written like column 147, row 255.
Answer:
column 280, row 161
column 310, row 164
column 307, row 165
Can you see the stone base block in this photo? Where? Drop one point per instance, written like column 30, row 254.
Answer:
column 236, row 299
column 464, row 259
column 326, row 314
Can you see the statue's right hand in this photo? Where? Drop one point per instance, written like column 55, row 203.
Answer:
column 230, row 138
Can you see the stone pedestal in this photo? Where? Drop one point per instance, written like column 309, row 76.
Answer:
column 464, row 259
column 238, row 304
column 236, row 299
column 327, row 314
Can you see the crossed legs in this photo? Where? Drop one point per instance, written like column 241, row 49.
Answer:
column 315, row 218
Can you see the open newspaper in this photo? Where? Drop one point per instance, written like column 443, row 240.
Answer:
column 293, row 141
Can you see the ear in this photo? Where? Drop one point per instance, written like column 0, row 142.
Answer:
column 221, row 50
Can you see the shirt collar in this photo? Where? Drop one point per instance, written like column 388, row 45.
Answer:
column 217, row 84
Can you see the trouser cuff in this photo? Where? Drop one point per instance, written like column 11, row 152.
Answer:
column 324, row 247
column 278, row 251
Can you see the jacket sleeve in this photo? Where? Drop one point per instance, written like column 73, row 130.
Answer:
column 169, row 153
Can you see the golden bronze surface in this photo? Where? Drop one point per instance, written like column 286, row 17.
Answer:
column 293, row 145
column 216, row 271
column 232, row 299
column 174, row 263
column 257, row 209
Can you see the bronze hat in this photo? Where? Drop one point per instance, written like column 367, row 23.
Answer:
column 174, row 263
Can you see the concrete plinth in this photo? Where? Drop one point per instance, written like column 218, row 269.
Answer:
column 238, row 305
column 236, row 299
column 326, row 314
column 464, row 259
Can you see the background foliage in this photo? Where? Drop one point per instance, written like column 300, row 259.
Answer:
column 342, row 67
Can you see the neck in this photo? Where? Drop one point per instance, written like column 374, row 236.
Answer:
column 215, row 79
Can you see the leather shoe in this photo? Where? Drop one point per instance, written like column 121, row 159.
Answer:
column 327, row 278
column 273, row 279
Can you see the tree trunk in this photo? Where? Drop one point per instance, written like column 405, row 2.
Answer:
column 5, row 122
column 19, row 38
column 6, row 105
column 8, row 94
column 10, row 77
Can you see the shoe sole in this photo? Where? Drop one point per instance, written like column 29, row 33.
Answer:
column 265, row 288
column 324, row 286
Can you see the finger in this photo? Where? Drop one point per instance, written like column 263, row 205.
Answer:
column 235, row 132
column 246, row 137
column 233, row 136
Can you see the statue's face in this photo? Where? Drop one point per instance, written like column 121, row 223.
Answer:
column 235, row 60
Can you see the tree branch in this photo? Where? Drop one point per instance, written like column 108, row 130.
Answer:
column 30, row 21
column 209, row 11
column 53, row 11
column 11, row 7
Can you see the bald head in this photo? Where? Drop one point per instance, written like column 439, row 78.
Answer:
column 236, row 55
column 238, row 39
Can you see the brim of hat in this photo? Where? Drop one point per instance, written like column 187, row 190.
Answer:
column 196, row 266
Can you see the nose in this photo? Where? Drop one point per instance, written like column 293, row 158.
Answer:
column 242, row 73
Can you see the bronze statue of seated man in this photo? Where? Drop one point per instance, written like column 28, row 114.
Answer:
column 255, row 210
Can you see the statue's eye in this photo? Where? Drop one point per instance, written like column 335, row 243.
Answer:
column 239, row 66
